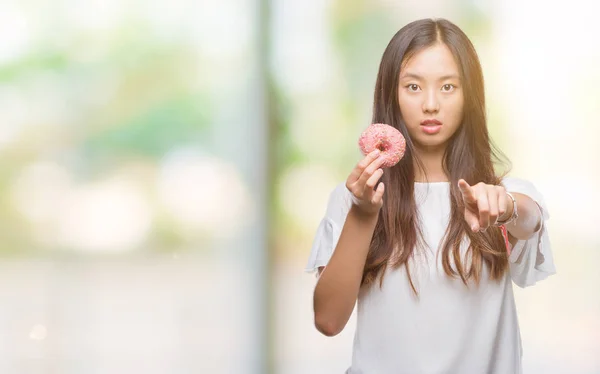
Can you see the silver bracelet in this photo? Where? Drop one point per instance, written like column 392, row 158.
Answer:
column 514, row 215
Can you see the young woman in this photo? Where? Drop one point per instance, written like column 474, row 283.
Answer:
column 430, row 246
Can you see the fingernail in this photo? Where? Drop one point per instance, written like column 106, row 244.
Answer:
column 474, row 228
column 376, row 152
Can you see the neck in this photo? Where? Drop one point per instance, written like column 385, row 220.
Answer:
column 432, row 162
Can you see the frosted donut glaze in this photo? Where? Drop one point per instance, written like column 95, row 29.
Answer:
column 387, row 139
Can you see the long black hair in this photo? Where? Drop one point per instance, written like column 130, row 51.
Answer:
column 469, row 155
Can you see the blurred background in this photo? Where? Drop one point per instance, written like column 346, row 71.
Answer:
column 164, row 166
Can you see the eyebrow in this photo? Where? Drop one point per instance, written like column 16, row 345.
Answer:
column 442, row 78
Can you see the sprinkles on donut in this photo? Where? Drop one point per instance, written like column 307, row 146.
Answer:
column 387, row 139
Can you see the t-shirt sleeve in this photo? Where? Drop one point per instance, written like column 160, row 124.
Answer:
column 530, row 260
column 329, row 229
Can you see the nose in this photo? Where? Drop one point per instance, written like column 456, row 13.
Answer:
column 431, row 103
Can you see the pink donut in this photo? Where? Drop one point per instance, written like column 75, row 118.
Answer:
column 387, row 139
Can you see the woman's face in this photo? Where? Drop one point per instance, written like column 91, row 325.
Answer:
column 430, row 89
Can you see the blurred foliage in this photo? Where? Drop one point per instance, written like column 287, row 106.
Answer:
column 130, row 97
column 154, row 131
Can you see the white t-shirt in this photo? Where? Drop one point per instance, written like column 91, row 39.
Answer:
column 450, row 328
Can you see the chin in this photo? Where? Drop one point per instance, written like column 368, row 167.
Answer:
column 431, row 143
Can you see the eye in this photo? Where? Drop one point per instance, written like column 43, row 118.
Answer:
column 448, row 87
column 412, row 87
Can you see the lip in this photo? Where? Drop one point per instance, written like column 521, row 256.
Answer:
column 431, row 126
column 431, row 121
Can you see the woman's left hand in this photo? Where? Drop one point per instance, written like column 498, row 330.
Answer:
column 484, row 204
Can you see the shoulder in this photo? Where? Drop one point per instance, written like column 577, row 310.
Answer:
column 340, row 190
column 521, row 185
column 341, row 195
column 525, row 187
column 515, row 181
column 340, row 202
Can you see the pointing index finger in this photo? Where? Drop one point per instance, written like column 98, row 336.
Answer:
column 467, row 191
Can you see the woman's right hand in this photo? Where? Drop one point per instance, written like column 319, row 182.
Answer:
column 361, row 183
